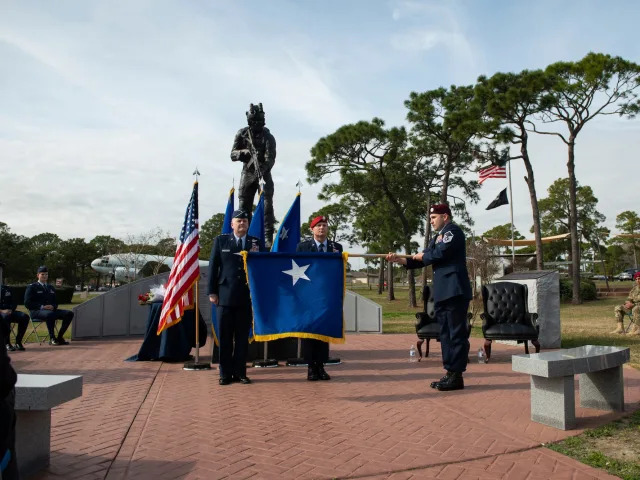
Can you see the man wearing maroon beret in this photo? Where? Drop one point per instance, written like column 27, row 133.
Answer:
column 316, row 352
column 451, row 293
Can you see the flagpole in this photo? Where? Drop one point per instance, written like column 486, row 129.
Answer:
column 513, row 251
column 195, row 287
column 196, row 365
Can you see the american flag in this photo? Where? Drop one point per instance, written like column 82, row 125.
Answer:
column 494, row 171
column 185, row 271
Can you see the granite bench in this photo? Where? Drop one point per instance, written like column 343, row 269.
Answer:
column 601, row 384
column 36, row 395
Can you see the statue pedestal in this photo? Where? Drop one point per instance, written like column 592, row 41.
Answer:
column 544, row 299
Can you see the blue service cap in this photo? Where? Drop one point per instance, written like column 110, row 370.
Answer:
column 240, row 214
column 42, row 269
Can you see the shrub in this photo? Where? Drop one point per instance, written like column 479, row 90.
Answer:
column 587, row 289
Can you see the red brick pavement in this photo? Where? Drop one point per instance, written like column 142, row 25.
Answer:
column 377, row 418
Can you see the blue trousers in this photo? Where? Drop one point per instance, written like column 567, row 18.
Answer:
column 50, row 316
column 234, row 339
column 21, row 318
column 454, row 332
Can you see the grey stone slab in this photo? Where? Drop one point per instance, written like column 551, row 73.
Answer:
column 369, row 316
column 33, row 440
column 531, row 274
column 349, row 311
column 603, row 390
column 87, row 318
column 43, row 392
column 544, row 299
column 570, row 361
column 553, row 401
column 117, row 307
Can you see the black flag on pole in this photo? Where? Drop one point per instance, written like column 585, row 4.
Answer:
column 501, row 199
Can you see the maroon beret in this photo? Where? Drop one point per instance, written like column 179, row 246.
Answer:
column 317, row 220
column 636, row 275
column 440, row 209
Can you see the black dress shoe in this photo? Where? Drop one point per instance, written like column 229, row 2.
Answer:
column 322, row 374
column 53, row 341
column 454, row 382
column 435, row 384
column 224, row 381
column 10, row 348
column 312, row 375
column 245, row 380
column 62, row 341
column 19, row 346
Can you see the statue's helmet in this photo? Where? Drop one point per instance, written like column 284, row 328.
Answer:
column 255, row 115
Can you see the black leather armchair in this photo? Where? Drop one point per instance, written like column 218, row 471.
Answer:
column 427, row 327
column 506, row 316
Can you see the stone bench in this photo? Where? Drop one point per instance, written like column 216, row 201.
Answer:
column 36, row 395
column 552, row 384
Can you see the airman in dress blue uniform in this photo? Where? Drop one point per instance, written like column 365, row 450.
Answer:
column 316, row 352
column 228, row 290
column 451, row 293
column 40, row 299
column 9, row 315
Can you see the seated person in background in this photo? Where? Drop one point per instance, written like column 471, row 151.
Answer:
column 40, row 299
column 8, row 315
column 632, row 304
column 8, row 377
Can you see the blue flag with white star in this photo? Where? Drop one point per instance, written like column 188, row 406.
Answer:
column 226, row 228
column 256, row 229
column 288, row 235
column 228, row 214
column 297, row 294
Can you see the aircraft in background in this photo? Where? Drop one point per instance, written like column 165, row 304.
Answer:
column 126, row 267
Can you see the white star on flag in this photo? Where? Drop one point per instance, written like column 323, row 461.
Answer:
column 297, row 272
column 284, row 233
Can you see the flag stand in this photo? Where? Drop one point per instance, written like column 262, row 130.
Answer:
column 265, row 362
column 298, row 361
column 197, row 365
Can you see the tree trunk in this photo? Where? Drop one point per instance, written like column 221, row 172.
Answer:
column 411, row 280
column 390, row 293
column 535, row 211
column 427, row 236
column 573, row 223
column 381, row 277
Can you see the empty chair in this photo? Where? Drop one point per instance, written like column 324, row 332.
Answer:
column 506, row 316
column 427, row 327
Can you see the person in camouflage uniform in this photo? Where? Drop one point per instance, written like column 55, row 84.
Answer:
column 632, row 304
column 255, row 147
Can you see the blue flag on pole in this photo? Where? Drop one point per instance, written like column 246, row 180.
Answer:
column 288, row 235
column 256, row 229
column 226, row 229
column 297, row 295
column 228, row 214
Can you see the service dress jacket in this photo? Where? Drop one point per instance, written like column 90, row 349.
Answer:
column 7, row 301
column 310, row 246
column 38, row 295
column 227, row 278
column 447, row 254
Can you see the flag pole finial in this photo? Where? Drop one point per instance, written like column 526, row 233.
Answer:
column 196, row 173
column 299, row 184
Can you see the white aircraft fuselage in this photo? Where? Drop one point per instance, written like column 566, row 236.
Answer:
column 126, row 267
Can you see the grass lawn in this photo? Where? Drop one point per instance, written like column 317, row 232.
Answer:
column 585, row 324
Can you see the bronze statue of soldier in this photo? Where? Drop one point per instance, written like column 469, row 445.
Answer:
column 255, row 147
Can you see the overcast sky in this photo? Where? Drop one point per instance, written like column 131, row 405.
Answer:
column 106, row 107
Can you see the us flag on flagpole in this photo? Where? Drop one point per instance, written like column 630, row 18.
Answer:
column 494, row 171
column 185, row 271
